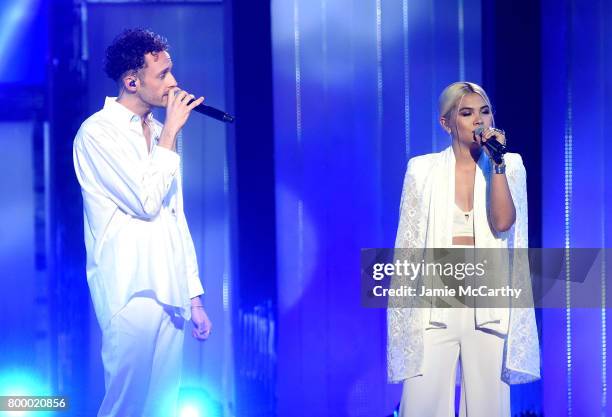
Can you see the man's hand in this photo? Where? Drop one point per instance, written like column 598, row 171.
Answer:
column 202, row 325
column 177, row 113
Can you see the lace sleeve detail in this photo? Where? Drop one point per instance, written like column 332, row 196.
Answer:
column 410, row 218
column 517, row 182
column 522, row 352
column 404, row 328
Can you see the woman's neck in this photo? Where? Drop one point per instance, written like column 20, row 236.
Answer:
column 466, row 157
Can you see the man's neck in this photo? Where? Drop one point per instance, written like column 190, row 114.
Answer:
column 134, row 104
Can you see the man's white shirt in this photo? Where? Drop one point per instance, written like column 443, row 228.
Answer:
column 136, row 234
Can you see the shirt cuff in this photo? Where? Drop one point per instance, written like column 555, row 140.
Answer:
column 167, row 158
column 195, row 287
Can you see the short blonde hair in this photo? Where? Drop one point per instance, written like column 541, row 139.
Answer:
column 452, row 95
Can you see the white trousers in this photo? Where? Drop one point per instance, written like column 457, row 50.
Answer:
column 483, row 393
column 142, row 350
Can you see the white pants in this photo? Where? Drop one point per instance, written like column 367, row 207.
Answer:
column 142, row 351
column 483, row 393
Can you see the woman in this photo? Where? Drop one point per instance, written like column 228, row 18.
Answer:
column 460, row 197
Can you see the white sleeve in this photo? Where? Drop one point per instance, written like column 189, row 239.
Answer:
column 138, row 187
column 410, row 215
column 193, row 276
column 517, row 182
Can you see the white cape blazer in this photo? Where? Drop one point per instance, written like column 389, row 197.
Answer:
column 426, row 219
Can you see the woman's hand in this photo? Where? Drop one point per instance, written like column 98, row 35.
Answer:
column 492, row 133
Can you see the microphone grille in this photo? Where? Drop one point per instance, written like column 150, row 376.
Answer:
column 478, row 131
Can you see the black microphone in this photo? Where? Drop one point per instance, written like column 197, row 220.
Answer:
column 209, row 111
column 496, row 149
column 212, row 112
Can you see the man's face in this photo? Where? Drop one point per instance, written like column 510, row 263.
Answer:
column 156, row 79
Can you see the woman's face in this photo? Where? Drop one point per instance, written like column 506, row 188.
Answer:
column 472, row 111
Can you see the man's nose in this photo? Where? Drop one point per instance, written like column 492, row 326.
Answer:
column 172, row 80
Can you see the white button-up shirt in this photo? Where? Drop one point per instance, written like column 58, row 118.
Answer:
column 136, row 235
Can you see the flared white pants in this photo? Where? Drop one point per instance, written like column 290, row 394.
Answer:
column 142, row 350
column 483, row 393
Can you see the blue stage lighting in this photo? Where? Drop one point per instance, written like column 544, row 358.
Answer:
column 21, row 382
column 196, row 402
column 22, row 22
column 189, row 411
column 18, row 382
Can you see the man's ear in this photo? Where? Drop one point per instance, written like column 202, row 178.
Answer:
column 130, row 82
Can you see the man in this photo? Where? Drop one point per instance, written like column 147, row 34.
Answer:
column 141, row 263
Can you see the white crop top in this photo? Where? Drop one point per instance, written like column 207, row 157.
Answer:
column 463, row 222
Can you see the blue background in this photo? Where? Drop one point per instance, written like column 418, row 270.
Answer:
column 331, row 97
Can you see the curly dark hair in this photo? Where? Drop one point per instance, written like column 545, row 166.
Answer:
column 127, row 51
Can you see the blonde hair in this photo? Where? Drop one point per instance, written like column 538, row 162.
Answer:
column 454, row 93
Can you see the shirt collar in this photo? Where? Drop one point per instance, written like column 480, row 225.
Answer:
column 121, row 112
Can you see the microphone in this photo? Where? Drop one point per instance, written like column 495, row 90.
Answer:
column 496, row 149
column 212, row 112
